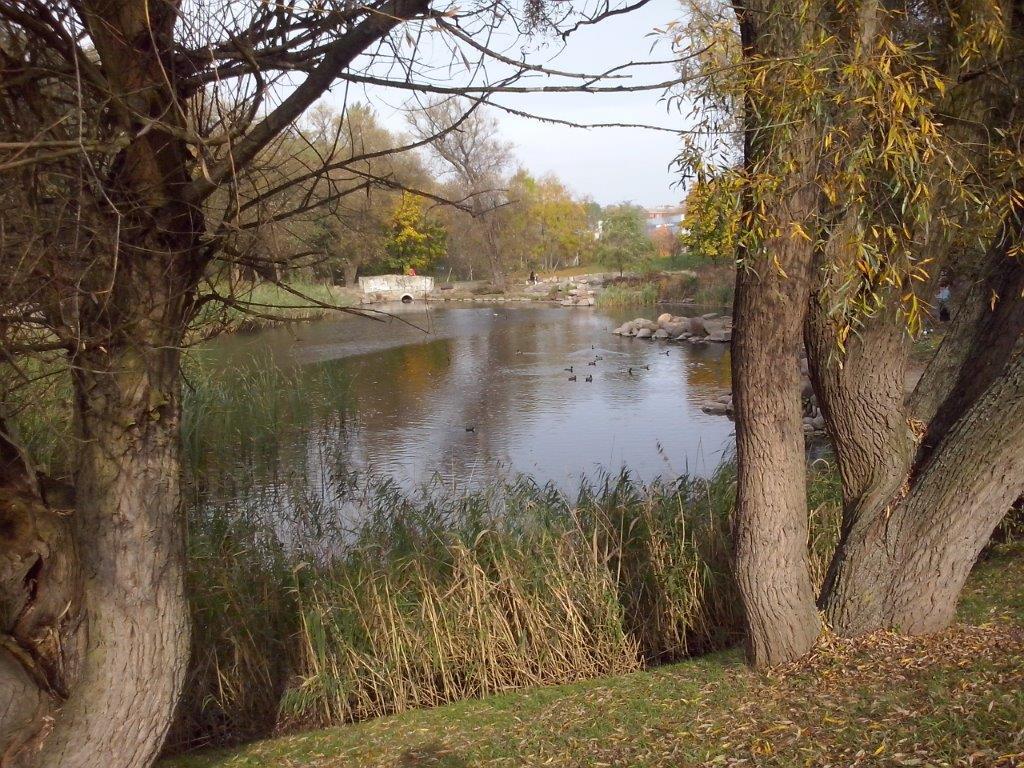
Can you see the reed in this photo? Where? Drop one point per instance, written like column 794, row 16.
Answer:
column 628, row 296
column 428, row 598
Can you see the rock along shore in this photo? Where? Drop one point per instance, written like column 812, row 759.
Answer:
column 715, row 329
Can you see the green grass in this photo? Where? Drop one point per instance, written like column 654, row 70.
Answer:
column 628, row 296
column 265, row 305
column 950, row 699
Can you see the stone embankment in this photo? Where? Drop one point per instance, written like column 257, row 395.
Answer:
column 715, row 329
column 577, row 291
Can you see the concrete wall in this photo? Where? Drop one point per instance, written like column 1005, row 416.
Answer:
column 395, row 287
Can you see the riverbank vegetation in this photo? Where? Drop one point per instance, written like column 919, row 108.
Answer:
column 262, row 304
column 304, row 620
column 948, row 699
column 624, row 295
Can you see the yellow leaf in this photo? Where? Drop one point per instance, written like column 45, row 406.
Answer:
column 798, row 229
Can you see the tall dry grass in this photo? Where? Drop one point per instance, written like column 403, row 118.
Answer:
column 429, row 599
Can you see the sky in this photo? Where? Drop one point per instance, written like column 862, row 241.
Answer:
column 608, row 164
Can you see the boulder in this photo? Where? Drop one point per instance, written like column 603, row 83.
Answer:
column 715, row 407
column 675, row 328
column 644, row 333
column 665, row 317
column 661, row 333
column 622, row 330
column 718, row 330
column 697, row 327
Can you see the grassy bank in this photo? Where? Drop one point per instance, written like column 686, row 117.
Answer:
column 615, row 296
column 949, row 699
column 302, row 621
column 265, row 305
column 709, row 285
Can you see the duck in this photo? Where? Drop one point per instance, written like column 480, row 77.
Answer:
column 589, row 378
column 647, row 367
column 598, row 357
column 569, row 369
column 471, row 428
column 572, row 378
column 592, row 362
column 630, row 371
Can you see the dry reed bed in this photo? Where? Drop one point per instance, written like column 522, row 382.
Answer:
column 437, row 599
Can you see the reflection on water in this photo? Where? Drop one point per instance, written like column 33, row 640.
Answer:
column 460, row 393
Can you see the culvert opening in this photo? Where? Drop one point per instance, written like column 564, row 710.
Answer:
column 406, row 298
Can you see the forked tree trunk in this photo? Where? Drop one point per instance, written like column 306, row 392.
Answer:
column 129, row 530
column 958, row 499
column 921, row 498
column 927, row 542
column 862, row 402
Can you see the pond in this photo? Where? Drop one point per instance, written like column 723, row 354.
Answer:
column 457, row 395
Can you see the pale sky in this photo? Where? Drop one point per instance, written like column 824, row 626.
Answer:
column 609, row 164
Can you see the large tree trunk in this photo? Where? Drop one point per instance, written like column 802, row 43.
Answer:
column 926, row 480
column 771, row 516
column 959, row 497
column 772, row 291
column 130, row 533
column 861, row 396
column 921, row 549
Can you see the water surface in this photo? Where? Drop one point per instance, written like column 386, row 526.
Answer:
column 466, row 394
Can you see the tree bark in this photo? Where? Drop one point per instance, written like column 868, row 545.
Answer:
column 130, row 532
column 772, row 291
column 861, row 396
column 922, row 497
column 40, row 595
column 960, row 496
column 771, row 504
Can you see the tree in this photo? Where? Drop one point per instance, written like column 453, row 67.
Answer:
column 711, row 222
column 543, row 226
column 665, row 242
column 623, row 237
column 468, row 149
column 351, row 232
column 415, row 241
column 772, row 290
column 879, row 142
column 136, row 170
